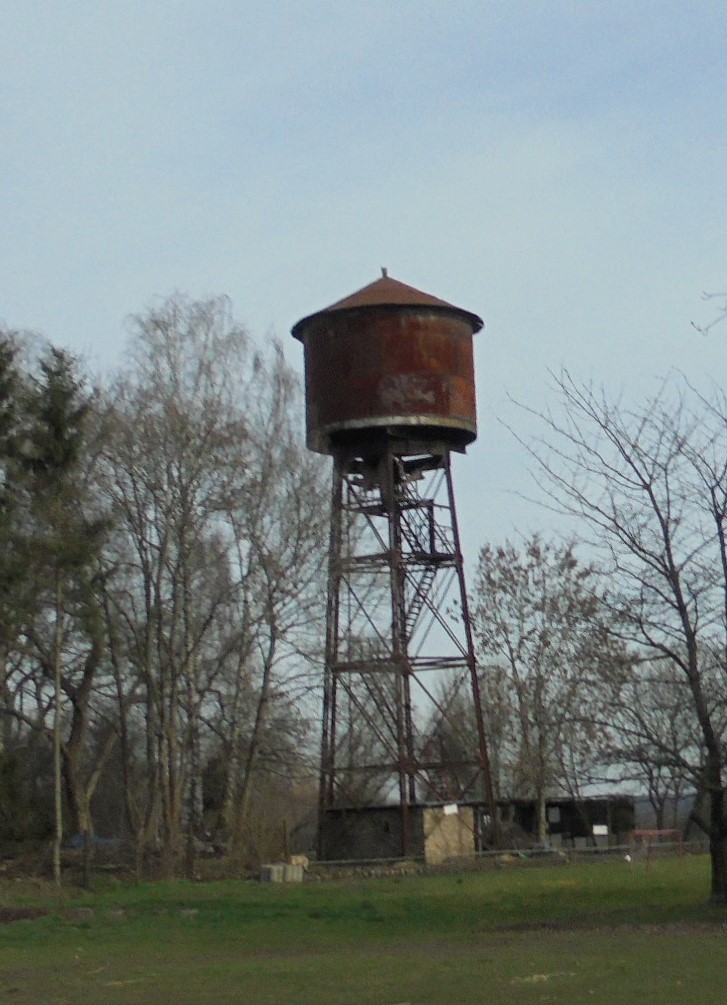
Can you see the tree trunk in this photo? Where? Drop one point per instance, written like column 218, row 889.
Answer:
column 261, row 719
column 57, row 768
column 193, row 786
column 81, row 815
column 148, row 833
column 542, row 818
column 718, row 846
column 234, row 755
column 6, row 705
column 718, row 858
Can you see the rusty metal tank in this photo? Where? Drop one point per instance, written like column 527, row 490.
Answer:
column 389, row 362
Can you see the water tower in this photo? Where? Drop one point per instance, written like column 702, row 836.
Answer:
column 390, row 395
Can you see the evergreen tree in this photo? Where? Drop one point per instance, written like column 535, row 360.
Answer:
column 13, row 567
column 63, row 546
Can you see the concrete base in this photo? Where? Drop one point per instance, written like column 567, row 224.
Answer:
column 281, row 872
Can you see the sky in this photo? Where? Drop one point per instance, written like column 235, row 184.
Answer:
column 557, row 167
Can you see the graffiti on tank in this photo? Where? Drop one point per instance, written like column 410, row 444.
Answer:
column 404, row 390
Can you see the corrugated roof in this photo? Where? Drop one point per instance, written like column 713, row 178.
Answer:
column 388, row 292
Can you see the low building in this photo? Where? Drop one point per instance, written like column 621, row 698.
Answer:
column 436, row 832
column 573, row 823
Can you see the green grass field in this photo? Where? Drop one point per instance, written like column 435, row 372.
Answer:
column 606, row 932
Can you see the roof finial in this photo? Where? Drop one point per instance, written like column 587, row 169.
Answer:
column 384, row 272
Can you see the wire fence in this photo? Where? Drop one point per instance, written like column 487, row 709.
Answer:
column 512, row 858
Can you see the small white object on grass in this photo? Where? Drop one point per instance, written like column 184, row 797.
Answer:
column 627, row 858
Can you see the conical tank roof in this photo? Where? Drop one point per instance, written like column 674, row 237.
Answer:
column 388, row 292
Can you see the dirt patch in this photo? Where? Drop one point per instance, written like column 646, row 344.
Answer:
column 10, row 914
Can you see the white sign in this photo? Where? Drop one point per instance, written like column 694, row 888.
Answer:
column 600, row 830
column 450, row 809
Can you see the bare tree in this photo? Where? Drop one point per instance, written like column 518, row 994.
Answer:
column 720, row 315
column 278, row 528
column 650, row 482
column 540, row 621
column 653, row 740
column 216, row 560
column 173, row 460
